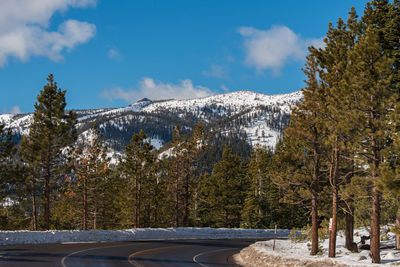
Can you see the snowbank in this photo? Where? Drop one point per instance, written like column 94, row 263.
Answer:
column 47, row 237
column 288, row 253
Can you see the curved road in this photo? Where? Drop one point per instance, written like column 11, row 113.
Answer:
column 136, row 253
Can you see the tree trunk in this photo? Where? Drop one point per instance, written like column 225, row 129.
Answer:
column 226, row 220
column 349, row 218
column 375, row 229
column 349, row 228
column 138, row 203
column 85, row 206
column 176, row 205
column 47, row 200
column 314, row 225
column 95, row 212
column 186, row 201
column 177, row 193
column 397, row 230
column 376, row 195
column 34, row 216
column 334, row 184
column 314, row 204
column 332, row 239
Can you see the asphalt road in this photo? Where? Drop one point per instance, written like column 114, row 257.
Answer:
column 136, row 253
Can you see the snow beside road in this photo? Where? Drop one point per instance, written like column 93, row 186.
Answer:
column 50, row 237
column 288, row 253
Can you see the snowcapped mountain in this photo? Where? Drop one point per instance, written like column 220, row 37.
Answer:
column 258, row 118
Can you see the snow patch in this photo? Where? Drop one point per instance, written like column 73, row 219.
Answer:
column 288, row 253
column 51, row 237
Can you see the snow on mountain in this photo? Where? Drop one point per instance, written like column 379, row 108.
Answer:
column 258, row 115
column 237, row 100
column 18, row 123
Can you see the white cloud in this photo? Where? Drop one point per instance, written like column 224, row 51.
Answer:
column 157, row 91
column 224, row 88
column 272, row 49
column 114, row 54
column 217, row 71
column 24, row 28
column 15, row 110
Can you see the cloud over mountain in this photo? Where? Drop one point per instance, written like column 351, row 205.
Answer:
column 156, row 90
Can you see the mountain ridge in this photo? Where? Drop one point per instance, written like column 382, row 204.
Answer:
column 259, row 117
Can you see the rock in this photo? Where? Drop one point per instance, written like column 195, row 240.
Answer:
column 366, row 246
column 361, row 258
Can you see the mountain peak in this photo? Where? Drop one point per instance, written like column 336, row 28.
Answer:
column 144, row 100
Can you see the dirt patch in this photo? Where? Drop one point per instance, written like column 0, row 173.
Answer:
column 251, row 257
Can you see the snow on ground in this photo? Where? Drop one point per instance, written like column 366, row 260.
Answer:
column 288, row 253
column 165, row 154
column 156, row 142
column 258, row 133
column 51, row 237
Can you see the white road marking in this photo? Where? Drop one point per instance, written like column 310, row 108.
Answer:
column 205, row 253
column 89, row 249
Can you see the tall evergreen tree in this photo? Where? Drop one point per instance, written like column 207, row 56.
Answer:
column 8, row 168
column 90, row 165
column 332, row 62
column 191, row 154
column 175, row 173
column 45, row 149
column 300, row 158
column 137, row 168
column 227, row 188
column 369, row 76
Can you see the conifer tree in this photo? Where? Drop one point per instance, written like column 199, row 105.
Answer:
column 370, row 75
column 7, row 162
column 391, row 180
column 137, row 167
column 45, row 149
column 300, row 158
column 191, row 154
column 227, row 190
column 91, row 166
column 332, row 62
column 175, row 174
column 256, row 204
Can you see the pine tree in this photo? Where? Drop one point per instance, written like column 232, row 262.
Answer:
column 137, row 168
column 44, row 150
column 90, row 165
column 256, row 204
column 227, row 186
column 191, row 154
column 8, row 166
column 175, row 173
column 332, row 62
column 300, row 158
column 369, row 76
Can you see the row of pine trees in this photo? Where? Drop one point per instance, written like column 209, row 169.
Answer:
column 341, row 151
column 54, row 180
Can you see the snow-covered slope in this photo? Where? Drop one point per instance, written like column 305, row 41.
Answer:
column 237, row 101
column 261, row 117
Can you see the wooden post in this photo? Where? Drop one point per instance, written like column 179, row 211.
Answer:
column 273, row 248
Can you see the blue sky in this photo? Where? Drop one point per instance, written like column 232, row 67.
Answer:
column 112, row 53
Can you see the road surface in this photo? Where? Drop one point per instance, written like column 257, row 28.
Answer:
column 136, row 253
